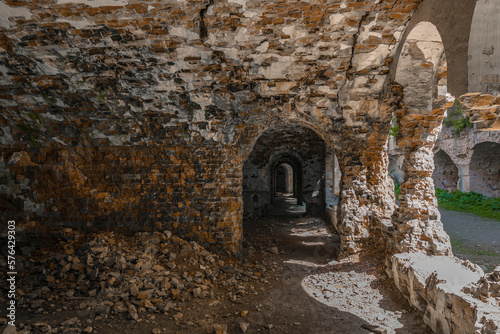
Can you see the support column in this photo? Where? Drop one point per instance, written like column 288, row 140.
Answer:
column 367, row 194
column 383, row 204
column 353, row 213
column 464, row 181
column 418, row 218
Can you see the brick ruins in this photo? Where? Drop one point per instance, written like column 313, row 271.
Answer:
column 132, row 116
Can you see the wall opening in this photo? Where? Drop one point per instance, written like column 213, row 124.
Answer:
column 446, row 173
column 285, row 181
column 287, row 164
column 333, row 176
column 422, row 68
column 484, row 169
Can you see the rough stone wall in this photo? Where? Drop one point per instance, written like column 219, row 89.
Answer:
column 297, row 146
column 204, row 77
column 460, row 148
column 484, row 169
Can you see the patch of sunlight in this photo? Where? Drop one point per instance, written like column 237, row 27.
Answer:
column 352, row 292
column 319, row 243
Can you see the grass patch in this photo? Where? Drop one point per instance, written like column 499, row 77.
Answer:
column 459, row 246
column 471, row 202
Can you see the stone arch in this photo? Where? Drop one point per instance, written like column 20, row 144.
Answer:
column 484, row 169
column 296, row 145
column 293, row 164
column 446, row 173
column 422, row 71
column 484, row 48
column 422, row 68
column 284, row 179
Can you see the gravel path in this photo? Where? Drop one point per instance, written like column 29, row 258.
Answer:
column 473, row 238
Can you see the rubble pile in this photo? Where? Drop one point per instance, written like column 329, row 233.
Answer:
column 114, row 275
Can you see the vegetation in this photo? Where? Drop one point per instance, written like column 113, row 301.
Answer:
column 471, row 202
column 394, row 128
column 397, row 189
column 457, row 118
column 461, row 246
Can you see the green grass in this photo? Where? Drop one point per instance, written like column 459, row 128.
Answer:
column 459, row 246
column 469, row 202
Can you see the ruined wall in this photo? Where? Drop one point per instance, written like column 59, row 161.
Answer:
column 124, row 189
column 484, row 169
column 446, row 173
column 443, row 289
column 203, row 77
column 460, row 148
column 299, row 147
column 484, row 66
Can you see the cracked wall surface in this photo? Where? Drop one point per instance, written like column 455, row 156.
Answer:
column 83, row 78
column 132, row 116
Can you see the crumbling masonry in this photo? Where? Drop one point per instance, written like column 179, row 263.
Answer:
column 132, row 115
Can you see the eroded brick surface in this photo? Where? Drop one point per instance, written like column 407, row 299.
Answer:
column 128, row 116
column 204, row 77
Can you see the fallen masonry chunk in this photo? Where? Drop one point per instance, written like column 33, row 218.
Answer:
column 70, row 322
column 244, row 326
column 220, row 329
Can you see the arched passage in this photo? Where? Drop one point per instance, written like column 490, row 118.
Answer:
column 422, row 68
column 484, row 169
column 446, row 173
column 422, row 71
column 297, row 147
column 285, row 181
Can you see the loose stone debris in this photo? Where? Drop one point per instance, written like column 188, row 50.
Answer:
column 108, row 283
column 111, row 275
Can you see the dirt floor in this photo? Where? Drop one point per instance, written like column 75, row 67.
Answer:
column 300, row 288
column 474, row 238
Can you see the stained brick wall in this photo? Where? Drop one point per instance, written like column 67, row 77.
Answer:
column 193, row 192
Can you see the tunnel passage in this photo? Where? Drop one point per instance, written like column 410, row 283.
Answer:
column 485, row 169
column 284, row 179
column 446, row 174
column 287, row 160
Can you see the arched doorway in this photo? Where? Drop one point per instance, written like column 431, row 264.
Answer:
column 422, row 71
column 284, row 181
column 288, row 159
column 286, row 184
column 446, row 173
column 484, row 169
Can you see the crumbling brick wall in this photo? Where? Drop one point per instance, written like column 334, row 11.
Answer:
column 183, row 89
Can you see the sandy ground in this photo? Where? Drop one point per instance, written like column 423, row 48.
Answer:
column 473, row 238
